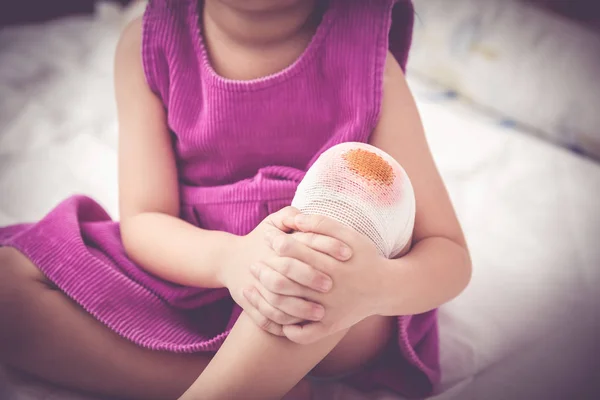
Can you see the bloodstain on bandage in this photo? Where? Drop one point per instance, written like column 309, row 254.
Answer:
column 370, row 166
column 364, row 188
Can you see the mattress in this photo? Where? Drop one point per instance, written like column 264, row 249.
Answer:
column 525, row 328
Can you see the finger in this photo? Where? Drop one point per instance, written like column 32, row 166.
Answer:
column 305, row 334
column 259, row 319
column 285, row 275
column 267, row 310
column 284, row 219
column 287, row 246
column 273, row 274
column 296, row 307
column 324, row 226
column 325, row 244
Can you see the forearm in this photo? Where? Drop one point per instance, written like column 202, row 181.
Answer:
column 434, row 272
column 177, row 251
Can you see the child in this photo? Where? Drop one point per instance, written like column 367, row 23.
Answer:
column 223, row 105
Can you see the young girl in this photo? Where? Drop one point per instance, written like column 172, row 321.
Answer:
column 223, row 106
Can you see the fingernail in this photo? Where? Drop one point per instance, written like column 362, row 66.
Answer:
column 326, row 285
column 319, row 313
column 254, row 269
column 345, row 252
column 302, row 219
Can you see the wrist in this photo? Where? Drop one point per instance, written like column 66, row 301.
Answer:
column 232, row 256
column 387, row 293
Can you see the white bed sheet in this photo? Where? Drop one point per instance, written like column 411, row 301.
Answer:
column 527, row 326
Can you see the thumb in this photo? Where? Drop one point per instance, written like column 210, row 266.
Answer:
column 305, row 334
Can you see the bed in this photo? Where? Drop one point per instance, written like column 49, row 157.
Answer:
column 527, row 326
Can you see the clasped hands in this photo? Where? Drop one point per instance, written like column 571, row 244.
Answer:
column 305, row 277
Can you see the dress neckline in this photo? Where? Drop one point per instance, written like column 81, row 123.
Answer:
column 213, row 78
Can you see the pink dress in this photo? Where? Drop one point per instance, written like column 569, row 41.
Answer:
column 242, row 147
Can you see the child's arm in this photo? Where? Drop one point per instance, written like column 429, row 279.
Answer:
column 151, row 231
column 438, row 267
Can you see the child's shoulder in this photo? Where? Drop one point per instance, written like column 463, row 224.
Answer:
column 131, row 36
column 130, row 43
column 129, row 72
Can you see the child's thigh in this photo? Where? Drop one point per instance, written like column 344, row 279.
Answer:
column 365, row 341
column 44, row 333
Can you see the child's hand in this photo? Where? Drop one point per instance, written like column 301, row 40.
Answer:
column 354, row 295
column 237, row 276
column 287, row 278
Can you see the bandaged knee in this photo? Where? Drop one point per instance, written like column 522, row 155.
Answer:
column 362, row 187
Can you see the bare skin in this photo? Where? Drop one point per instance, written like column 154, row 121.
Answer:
column 48, row 336
column 44, row 333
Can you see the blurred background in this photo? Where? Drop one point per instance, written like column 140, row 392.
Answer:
column 509, row 94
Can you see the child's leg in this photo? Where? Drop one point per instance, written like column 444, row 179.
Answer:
column 42, row 332
column 276, row 364
column 253, row 364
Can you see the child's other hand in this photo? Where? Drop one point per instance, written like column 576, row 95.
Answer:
column 357, row 279
column 287, row 277
column 237, row 276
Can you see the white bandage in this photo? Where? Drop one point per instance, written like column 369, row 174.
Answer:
column 362, row 187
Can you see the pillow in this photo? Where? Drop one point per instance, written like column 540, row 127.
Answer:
column 531, row 66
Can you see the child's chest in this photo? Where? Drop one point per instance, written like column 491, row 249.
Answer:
column 252, row 132
column 283, row 123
